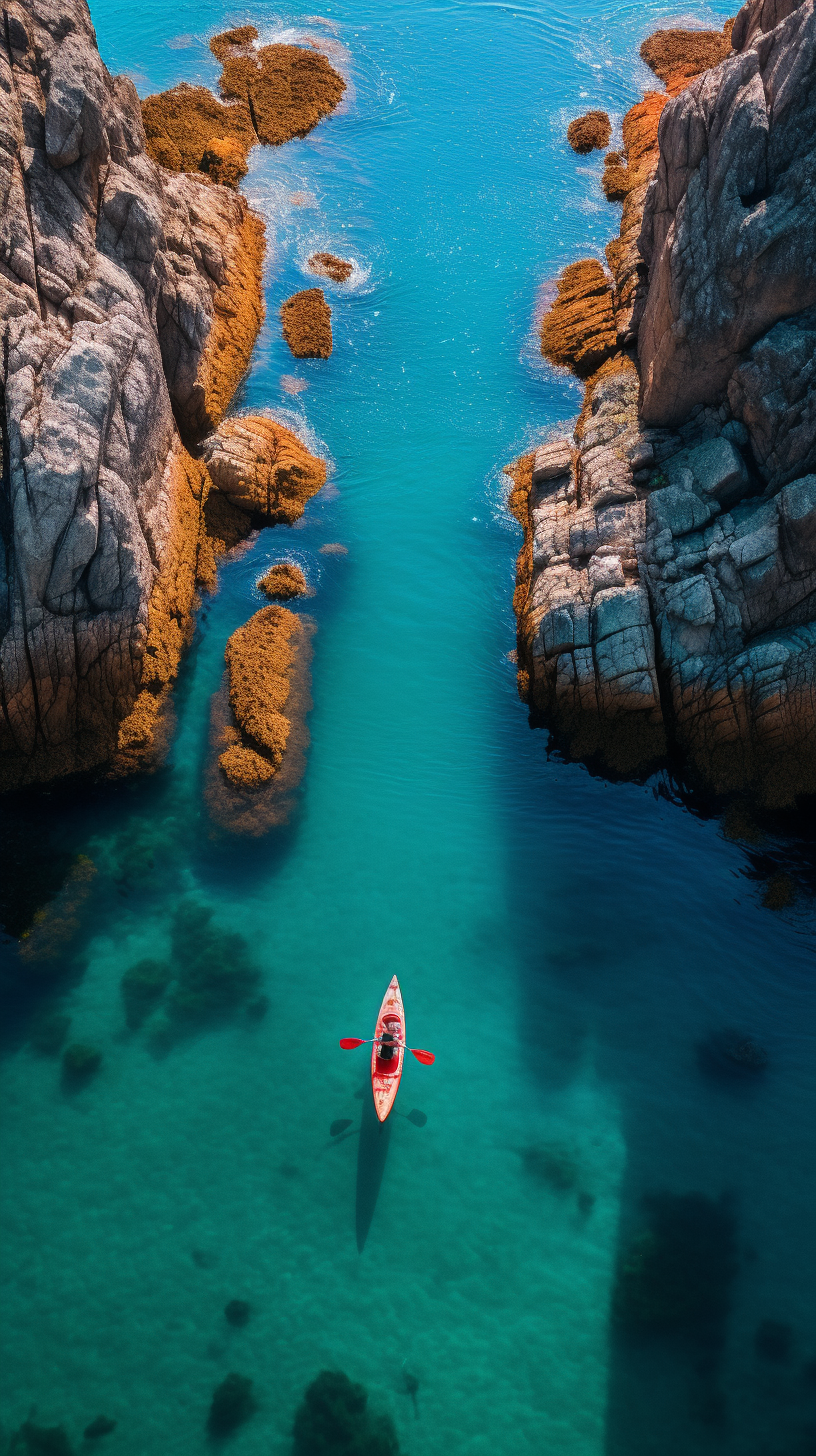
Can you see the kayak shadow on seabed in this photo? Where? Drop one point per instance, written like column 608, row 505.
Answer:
column 372, row 1151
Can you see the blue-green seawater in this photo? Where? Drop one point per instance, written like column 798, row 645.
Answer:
column 563, row 943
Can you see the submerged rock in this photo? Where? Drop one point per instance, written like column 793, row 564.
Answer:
column 334, row 1418
column 731, row 1054
column 102, row 1426
column 31, row 1440
column 143, row 986
column 80, row 1063
column 237, row 1313
column 676, row 1275
column 306, row 319
column 232, row 1404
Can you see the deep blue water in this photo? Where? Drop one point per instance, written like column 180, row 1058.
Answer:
column 563, row 943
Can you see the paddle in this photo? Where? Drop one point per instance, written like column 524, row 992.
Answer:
column 348, row 1042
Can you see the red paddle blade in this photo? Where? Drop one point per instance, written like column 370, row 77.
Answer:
column 426, row 1057
column 347, row 1042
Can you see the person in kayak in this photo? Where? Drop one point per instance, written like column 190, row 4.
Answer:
column 389, row 1044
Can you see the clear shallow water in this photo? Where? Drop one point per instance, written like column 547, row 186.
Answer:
column 581, row 937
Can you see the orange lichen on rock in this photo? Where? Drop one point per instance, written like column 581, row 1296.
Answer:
column 276, row 93
column 257, row 749
column 306, row 320
column 521, row 474
column 181, row 126
column 224, row 159
column 590, row 132
column 677, row 56
column 579, row 330
column 288, row 89
column 263, row 468
column 238, row 315
column 328, row 265
column 283, row 581
column 188, row 563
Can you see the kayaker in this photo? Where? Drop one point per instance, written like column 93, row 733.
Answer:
column 388, row 1046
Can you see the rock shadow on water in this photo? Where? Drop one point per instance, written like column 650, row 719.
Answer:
column 371, row 1157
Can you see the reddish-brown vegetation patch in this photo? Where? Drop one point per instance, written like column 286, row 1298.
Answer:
column 182, row 124
column 288, row 89
column 328, row 265
column 306, row 319
column 263, row 468
column 579, row 330
column 590, row 132
column 677, row 56
column 283, row 581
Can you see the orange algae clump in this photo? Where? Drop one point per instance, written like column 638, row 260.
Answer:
column 238, row 315
column 224, row 160
column 283, row 581
column 259, row 659
column 677, row 56
column 187, row 562
column 228, row 41
column 263, row 468
column 579, row 330
column 590, row 132
column 288, row 89
column 330, row 266
column 306, row 319
column 182, row 124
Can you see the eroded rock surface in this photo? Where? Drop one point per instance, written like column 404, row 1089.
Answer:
column 666, row 589
column 130, row 300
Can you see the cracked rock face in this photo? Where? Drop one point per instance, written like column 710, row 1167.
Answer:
column 729, row 226
column 112, row 275
column 666, row 596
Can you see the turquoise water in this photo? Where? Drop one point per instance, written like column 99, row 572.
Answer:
column 563, row 944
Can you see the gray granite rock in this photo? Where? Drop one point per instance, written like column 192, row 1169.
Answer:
column 109, row 271
column 729, row 226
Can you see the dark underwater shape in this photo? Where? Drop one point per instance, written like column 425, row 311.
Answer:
column 80, row 1063
column 676, row 1275
column 773, row 1341
column 339, row 1125
column 731, row 1055
column 231, row 1405
column 371, row 1155
column 33, row 1440
column 237, row 1312
column 143, row 986
column 333, row 1420
column 418, row 1118
column 102, row 1426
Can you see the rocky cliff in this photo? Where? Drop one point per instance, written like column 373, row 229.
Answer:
column 130, row 300
column 666, row 595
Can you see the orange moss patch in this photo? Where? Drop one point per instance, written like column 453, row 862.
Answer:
column 278, row 92
column 677, row 56
column 590, row 132
column 187, row 563
column 579, row 330
column 306, row 319
column 521, row 474
column 288, row 89
column 330, row 266
column 248, row 790
column 224, row 160
column 616, row 180
column 263, row 468
column 238, row 315
column 181, row 126
column 283, row 581
column 225, row 44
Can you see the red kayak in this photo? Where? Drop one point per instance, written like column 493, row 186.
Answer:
column 386, row 1071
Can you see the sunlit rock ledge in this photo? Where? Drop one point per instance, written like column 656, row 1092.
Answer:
column 666, row 588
